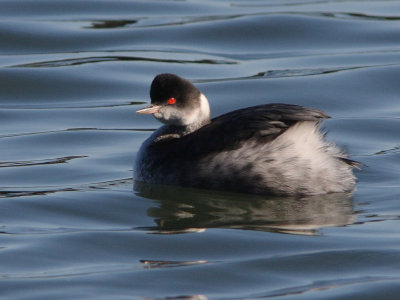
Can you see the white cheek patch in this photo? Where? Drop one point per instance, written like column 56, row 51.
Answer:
column 158, row 116
column 169, row 115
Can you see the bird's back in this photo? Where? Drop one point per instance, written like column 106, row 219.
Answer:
column 274, row 148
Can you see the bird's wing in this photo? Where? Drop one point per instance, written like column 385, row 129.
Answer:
column 229, row 131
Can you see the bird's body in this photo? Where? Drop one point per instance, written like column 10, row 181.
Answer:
column 267, row 149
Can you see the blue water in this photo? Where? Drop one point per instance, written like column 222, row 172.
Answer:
column 74, row 224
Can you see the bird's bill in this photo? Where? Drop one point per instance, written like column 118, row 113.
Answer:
column 151, row 109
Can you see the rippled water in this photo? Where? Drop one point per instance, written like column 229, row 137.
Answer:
column 74, row 224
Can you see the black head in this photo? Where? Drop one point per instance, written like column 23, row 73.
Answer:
column 176, row 101
column 170, row 86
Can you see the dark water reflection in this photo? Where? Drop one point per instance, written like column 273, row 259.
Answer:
column 185, row 210
column 112, row 23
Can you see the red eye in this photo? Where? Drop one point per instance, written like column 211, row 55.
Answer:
column 171, row 101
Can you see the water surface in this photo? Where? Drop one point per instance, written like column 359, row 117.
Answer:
column 74, row 224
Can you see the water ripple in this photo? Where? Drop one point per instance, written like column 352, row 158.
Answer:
column 289, row 73
column 394, row 150
column 76, row 129
column 155, row 264
column 90, row 60
column 326, row 285
column 355, row 16
column 45, row 190
column 58, row 160
column 162, row 21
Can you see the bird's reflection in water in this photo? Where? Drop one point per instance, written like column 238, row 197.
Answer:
column 181, row 210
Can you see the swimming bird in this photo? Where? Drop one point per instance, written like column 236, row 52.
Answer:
column 266, row 149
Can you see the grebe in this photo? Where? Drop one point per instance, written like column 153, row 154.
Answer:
column 267, row 149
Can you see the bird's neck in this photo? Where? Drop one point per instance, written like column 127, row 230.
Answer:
column 179, row 131
column 202, row 118
column 168, row 132
column 193, row 127
column 198, row 120
column 194, row 122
